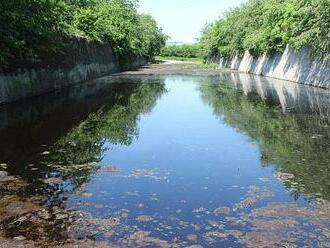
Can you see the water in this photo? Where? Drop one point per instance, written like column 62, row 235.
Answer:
column 230, row 160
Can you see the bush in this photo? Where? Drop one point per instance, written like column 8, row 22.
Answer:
column 266, row 26
column 29, row 28
column 183, row 51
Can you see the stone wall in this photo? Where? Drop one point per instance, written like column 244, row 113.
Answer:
column 80, row 61
column 296, row 66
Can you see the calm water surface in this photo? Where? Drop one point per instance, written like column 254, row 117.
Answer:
column 230, row 160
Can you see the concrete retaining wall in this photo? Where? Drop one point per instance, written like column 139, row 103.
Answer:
column 81, row 61
column 296, row 66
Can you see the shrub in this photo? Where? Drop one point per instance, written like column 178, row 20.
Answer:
column 266, row 26
column 29, row 28
column 184, row 51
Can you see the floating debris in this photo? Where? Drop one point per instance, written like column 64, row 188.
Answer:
column 144, row 218
column 109, row 234
column 192, row 237
column 53, row 180
column 112, row 169
column 13, row 206
column 113, row 221
column 4, row 177
column 199, row 210
column 148, row 173
column 140, row 205
column 183, row 223
column 285, row 176
column 45, row 153
column 247, row 202
column 143, row 239
column 213, row 223
column 142, row 173
column 279, row 225
column 86, row 194
column 19, row 238
column 264, row 179
column 213, row 237
column 254, row 195
column 3, row 166
column 221, row 210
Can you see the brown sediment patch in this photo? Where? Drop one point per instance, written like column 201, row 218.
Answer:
column 234, row 233
column 10, row 243
column 143, row 239
column 254, row 195
column 85, row 244
column 13, row 206
column 11, row 187
column 215, row 236
column 83, row 225
column 257, row 239
column 284, row 224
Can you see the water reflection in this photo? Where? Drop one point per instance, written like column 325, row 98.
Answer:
column 290, row 122
column 171, row 161
column 51, row 146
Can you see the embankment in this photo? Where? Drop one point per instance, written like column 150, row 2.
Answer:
column 293, row 65
column 79, row 61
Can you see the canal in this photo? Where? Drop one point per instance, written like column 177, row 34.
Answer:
column 168, row 160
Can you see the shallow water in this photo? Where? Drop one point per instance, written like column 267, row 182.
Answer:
column 172, row 161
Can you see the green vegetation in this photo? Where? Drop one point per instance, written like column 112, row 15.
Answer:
column 299, row 146
column 266, row 26
column 197, row 60
column 33, row 29
column 181, row 51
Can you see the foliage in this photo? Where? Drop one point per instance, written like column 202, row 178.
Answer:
column 266, row 26
column 162, row 58
column 31, row 28
column 183, row 51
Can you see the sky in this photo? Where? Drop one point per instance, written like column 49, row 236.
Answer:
column 183, row 20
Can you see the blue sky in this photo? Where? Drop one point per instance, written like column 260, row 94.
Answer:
column 184, row 19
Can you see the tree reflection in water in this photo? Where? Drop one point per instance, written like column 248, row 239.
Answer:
column 296, row 144
column 64, row 155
